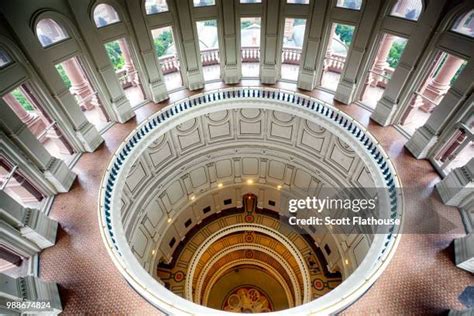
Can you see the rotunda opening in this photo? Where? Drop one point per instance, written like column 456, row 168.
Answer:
column 219, row 203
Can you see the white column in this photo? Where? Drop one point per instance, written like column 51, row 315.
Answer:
column 231, row 56
column 53, row 170
column 114, row 99
column 458, row 187
column 349, row 78
column 152, row 68
column 29, row 289
column 270, row 53
column 399, row 84
column 30, row 223
column 312, row 55
column 190, row 61
column 458, row 96
column 464, row 252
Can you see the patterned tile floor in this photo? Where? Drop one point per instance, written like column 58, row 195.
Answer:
column 421, row 278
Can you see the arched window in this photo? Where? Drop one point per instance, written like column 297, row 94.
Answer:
column 155, row 6
column 49, row 32
column 407, row 9
column 465, row 24
column 5, row 59
column 104, row 15
column 349, row 4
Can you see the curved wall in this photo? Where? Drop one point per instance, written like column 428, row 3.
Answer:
column 349, row 131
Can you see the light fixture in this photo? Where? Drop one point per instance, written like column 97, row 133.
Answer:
column 249, row 181
column 220, row 185
column 169, row 219
column 346, row 262
column 153, row 252
column 193, row 197
column 279, row 187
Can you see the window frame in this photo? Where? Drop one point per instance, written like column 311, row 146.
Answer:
column 120, row 19
column 64, row 29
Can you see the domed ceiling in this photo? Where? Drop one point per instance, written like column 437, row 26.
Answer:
column 198, row 197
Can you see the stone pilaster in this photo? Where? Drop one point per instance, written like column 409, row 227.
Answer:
column 459, row 95
column 115, row 102
column 271, row 48
column 151, row 66
column 388, row 105
column 464, row 252
column 231, row 52
column 311, row 68
column 30, row 223
column 466, row 312
column 16, row 242
column 22, row 140
column 457, row 189
column 349, row 78
column 190, row 62
column 84, row 131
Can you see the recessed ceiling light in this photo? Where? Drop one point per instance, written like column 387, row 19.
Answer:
column 220, row 185
column 249, row 181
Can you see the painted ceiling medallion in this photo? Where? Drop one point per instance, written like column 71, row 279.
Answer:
column 247, row 300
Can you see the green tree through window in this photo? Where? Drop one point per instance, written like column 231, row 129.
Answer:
column 163, row 42
column 395, row 53
column 115, row 55
column 63, row 75
column 20, row 97
column 345, row 33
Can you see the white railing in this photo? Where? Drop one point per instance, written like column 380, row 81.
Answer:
column 250, row 54
column 126, row 78
column 384, row 77
column 291, row 55
column 169, row 64
column 210, row 56
column 334, row 62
